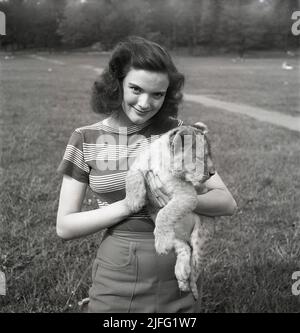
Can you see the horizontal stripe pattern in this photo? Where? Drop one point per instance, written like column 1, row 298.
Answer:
column 102, row 125
column 87, row 148
column 102, row 203
column 75, row 156
column 142, row 214
column 108, row 183
column 94, row 152
column 129, row 130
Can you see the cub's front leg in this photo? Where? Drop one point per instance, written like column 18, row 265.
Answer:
column 135, row 190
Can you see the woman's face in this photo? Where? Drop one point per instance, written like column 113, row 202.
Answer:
column 143, row 94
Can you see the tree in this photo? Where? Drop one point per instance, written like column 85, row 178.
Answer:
column 124, row 17
column 232, row 25
column 32, row 23
column 105, row 21
column 80, row 24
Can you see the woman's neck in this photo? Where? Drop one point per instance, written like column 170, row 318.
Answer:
column 119, row 119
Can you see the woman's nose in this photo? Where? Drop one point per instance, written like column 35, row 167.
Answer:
column 144, row 102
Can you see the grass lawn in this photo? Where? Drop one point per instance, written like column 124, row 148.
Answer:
column 251, row 256
column 257, row 82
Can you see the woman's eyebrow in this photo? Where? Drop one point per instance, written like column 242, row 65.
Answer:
column 133, row 84
column 137, row 86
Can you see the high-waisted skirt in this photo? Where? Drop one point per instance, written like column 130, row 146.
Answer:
column 129, row 276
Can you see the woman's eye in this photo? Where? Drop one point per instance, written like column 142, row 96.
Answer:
column 135, row 90
column 158, row 95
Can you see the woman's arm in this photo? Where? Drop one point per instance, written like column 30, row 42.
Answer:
column 72, row 223
column 218, row 201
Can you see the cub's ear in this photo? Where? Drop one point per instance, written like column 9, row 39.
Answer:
column 201, row 126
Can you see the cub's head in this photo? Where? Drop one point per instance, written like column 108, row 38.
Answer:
column 190, row 153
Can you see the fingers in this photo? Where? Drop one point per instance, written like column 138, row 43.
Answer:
column 160, row 202
column 150, row 180
column 152, row 186
column 158, row 182
column 156, row 188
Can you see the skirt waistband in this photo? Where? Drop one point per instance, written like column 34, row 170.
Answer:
column 130, row 235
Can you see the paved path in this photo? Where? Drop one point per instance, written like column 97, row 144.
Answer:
column 273, row 117
column 52, row 61
column 98, row 70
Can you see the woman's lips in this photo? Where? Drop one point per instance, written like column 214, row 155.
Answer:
column 138, row 111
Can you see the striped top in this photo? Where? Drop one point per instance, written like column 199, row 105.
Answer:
column 100, row 156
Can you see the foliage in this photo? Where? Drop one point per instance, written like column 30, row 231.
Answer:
column 32, row 23
column 232, row 25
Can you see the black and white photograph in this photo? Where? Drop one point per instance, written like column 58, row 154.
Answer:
column 150, row 154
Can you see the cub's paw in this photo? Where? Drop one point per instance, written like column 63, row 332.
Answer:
column 182, row 270
column 134, row 204
column 164, row 242
column 135, row 191
column 183, row 285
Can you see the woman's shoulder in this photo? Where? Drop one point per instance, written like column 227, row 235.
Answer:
column 92, row 127
column 90, row 133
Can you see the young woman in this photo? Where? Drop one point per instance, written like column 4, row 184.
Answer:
column 139, row 91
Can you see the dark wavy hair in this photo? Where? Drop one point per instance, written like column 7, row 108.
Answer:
column 137, row 53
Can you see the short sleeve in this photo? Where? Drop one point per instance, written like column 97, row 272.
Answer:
column 73, row 163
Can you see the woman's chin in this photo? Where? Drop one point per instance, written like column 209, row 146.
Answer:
column 138, row 120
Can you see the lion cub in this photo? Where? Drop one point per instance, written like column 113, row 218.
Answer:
column 181, row 159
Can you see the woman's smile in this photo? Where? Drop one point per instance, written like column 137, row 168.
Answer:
column 143, row 94
column 142, row 112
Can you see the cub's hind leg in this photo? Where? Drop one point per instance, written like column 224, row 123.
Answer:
column 199, row 237
column 183, row 266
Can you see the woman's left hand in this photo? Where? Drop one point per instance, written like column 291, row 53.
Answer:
column 156, row 187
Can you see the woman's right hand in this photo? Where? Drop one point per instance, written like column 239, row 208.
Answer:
column 156, row 190
column 72, row 223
